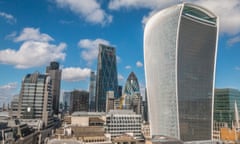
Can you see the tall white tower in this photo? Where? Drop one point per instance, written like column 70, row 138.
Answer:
column 180, row 46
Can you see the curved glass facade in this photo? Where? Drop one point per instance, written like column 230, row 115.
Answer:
column 180, row 55
column 132, row 86
column 160, row 60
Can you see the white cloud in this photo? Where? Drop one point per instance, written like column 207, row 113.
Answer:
column 228, row 11
column 152, row 4
column 90, row 10
column 120, row 77
column 128, row 67
column 34, row 51
column 75, row 74
column 139, row 64
column 7, row 91
column 33, row 34
column 233, row 40
column 90, row 48
column 9, row 86
column 10, row 18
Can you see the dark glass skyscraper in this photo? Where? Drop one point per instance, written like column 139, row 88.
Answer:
column 106, row 75
column 55, row 73
column 180, row 46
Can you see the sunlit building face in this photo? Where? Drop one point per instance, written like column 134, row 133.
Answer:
column 180, row 45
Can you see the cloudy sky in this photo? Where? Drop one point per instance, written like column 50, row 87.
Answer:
column 33, row 33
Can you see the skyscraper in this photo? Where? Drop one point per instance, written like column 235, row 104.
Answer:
column 79, row 101
column 224, row 101
column 180, row 46
column 131, row 95
column 92, row 92
column 55, row 73
column 106, row 75
column 132, row 85
column 35, row 101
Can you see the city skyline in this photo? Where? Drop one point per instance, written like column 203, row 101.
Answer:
column 34, row 34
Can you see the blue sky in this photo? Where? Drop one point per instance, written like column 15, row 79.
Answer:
column 33, row 33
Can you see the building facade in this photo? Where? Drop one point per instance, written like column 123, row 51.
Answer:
column 224, row 101
column 35, row 101
column 92, row 92
column 110, row 101
column 106, row 76
column 55, row 73
column 131, row 98
column 119, row 122
column 79, row 101
column 14, row 106
column 66, row 101
column 180, row 46
column 132, row 85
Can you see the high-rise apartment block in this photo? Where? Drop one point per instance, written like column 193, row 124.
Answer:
column 79, row 101
column 55, row 74
column 35, row 101
column 106, row 75
column 180, row 46
column 224, row 102
column 92, row 92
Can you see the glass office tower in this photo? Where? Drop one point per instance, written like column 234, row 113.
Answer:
column 106, row 75
column 224, row 104
column 180, row 45
column 132, row 85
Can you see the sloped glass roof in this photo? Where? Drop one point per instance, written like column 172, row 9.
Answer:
column 188, row 10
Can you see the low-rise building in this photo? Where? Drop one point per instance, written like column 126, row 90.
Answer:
column 82, row 128
column 160, row 139
column 146, row 130
column 119, row 122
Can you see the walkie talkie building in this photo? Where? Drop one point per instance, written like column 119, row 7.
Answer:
column 180, row 46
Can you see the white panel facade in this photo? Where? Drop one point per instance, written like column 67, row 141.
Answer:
column 180, row 45
column 160, row 60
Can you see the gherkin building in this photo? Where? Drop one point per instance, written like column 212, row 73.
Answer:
column 132, row 86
